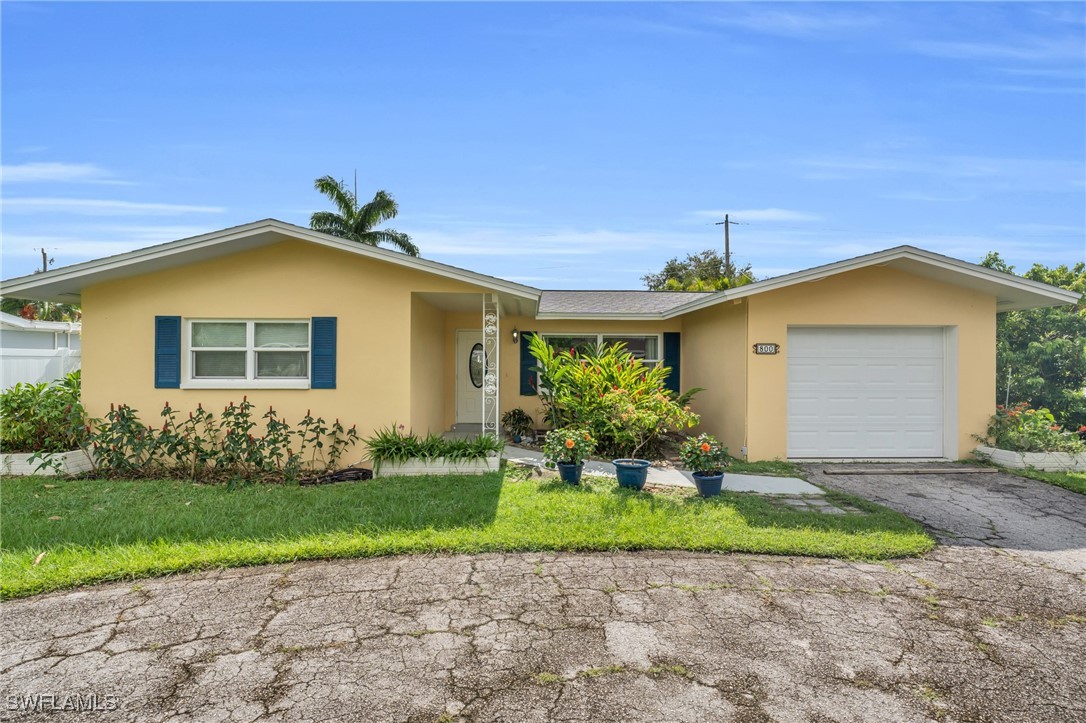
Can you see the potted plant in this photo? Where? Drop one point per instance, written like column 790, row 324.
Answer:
column 706, row 458
column 632, row 473
column 518, row 424
column 567, row 448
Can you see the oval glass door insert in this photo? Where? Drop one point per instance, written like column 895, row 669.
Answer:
column 475, row 365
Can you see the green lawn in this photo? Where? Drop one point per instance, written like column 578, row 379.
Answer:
column 1074, row 481
column 91, row 531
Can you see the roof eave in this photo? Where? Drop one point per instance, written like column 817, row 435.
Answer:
column 574, row 316
column 1042, row 294
column 25, row 285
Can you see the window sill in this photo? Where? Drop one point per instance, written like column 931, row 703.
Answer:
column 245, row 384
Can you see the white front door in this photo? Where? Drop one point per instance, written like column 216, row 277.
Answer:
column 469, row 377
column 857, row 392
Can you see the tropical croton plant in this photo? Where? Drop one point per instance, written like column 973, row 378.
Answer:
column 1020, row 428
column 568, row 445
column 704, row 455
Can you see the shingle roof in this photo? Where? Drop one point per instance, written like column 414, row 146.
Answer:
column 615, row 302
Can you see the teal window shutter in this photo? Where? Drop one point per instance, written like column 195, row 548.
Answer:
column 527, row 361
column 167, row 352
column 323, row 348
column 673, row 359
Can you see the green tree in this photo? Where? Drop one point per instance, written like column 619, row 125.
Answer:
column 1041, row 353
column 40, row 310
column 357, row 222
column 705, row 271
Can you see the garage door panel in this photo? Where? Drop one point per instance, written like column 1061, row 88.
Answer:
column 923, row 374
column 922, row 410
column 865, row 392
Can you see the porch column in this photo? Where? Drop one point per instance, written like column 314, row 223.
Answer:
column 491, row 358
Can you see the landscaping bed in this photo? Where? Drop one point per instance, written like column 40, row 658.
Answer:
column 63, row 533
column 1044, row 461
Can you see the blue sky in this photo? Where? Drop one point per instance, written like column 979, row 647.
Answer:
column 559, row 145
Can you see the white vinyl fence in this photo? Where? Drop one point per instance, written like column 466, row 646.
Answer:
column 37, row 351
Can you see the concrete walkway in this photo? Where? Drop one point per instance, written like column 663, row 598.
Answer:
column 678, row 478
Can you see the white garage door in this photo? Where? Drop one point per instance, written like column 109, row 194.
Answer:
column 865, row 392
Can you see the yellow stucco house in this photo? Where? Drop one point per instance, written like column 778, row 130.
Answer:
column 888, row 355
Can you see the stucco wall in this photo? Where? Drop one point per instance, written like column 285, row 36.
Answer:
column 427, row 366
column 869, row 297
column 715, row 357
column 370, row 298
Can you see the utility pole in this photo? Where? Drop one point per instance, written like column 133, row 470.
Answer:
column 45, row 261
column 727, row 248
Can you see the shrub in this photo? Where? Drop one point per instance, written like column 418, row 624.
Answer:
column 238, row 445
column 1023, row 429
column 46, row 417
column 568, row 445
column 704, row 454
column 517, row 422
column 619, row 399
column 391, row 444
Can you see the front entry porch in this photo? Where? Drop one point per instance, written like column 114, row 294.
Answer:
column 455, row 375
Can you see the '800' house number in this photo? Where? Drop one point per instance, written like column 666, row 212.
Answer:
column 767, row 348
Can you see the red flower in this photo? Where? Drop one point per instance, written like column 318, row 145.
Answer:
column 705, row 447
column 1082, row 428
column 570, row 443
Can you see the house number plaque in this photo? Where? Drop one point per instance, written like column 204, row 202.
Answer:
column 767, row 348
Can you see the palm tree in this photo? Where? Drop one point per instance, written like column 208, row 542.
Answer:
column 356, row 222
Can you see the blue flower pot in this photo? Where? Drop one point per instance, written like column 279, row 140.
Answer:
column 632, row 473
column 708, row 484
column 570, row 473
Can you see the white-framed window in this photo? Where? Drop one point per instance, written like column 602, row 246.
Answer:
column 246, row 353
column 646, row 347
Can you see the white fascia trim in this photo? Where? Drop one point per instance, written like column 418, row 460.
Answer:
column 557, row 315
column 13, row 286
column 1061, row 296
column 150, row 253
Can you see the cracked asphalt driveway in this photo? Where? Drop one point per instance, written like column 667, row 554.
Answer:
column 970, row 632
column 1022, row 517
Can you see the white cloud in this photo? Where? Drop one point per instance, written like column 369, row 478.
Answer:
column 67, row 249
column 41, row 172
column 794, row 23
column 1033, row 49
column 1039, row 174
column 759, row 214
column 544, row 243
column 1042, row 89
column 101, row 207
